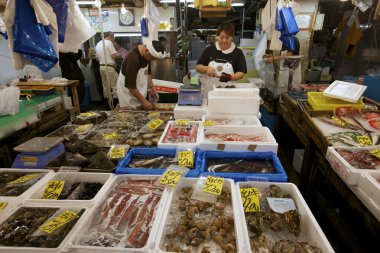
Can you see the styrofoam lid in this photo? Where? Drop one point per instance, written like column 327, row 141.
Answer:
column 346, row 91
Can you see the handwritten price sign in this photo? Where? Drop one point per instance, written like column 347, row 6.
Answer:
column 116, row 153
column 364, row 141
column 340, row 122
column 87, row 114
column 250, row 199
column 59, row 221
column 23, row 179
column 182, row 122
column 213, row 185
column 53, row 189
column 152, row 115
column 376, row 152
column 186, row 159
column 171, row 177
column 110, row 136
column 155, row 123
column 83, row 128
column 209, row 123
column 3, row 205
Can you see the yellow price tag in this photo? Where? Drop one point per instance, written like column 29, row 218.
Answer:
column 82, row 128
column 110, row 136
column 375, row 152
column 340, row 122
column 60, row 220
column 182, row 122
column 152, row 115
column 364, row 141
column 3, row 205
column 209, row 123
column 155, row 123
column 171, row 177
column 250, row 199
column 53, row 189
column 87, row 114
column 213, row 185
column 116, row 153
column 23, row 179
column 186, row 159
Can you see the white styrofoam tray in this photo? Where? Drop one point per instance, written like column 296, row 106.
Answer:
column 161, row 144
column 369, row 187
column 240, row 90
column 190, row 112
column 12, row 203
column 311, row 232
column 248, row 104
column 88, row 177
column 187, row 182
column 34, row 187
column 235, row 120
column 346, row 91
column 74, row 246
column 269, row 145
column 45, row 250
column 349, row 174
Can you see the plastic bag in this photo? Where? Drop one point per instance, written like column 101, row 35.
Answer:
column 153, row 17
column 3, row 30
column 199, row 194
column 289, row 22
column 279, row 25
column 260, row 51
column 60, row 9
column 144, row 27
column 9, row 101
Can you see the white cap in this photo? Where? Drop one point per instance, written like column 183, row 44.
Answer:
column 153, row 51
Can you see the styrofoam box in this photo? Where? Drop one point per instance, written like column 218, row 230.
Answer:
column 346, row 91
column 39, row 183
column 241, row 89
column 175, row 145
column 269, row 145
column 188, row 182
column 310, row 229
column 11, row 204
column 74, row 246
column 249, row 120
column 45, row 250
column 171, row 86
column 104, row 178
column 349, row 174
column 248, row 104
column 190, row 112
column 370, row 187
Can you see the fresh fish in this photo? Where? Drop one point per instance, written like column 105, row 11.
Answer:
column 360, row 159
column 139, row 161
column 240, row 166
column 344, row 138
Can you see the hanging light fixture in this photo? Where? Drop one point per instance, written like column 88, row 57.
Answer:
column 123, row 10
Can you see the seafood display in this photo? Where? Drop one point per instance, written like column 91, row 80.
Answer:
column 137, row 138
column 271, row 231
column 79, row 190
column 235, row 137
column 151, row 161
column 196, row 226
column 360, row 159
column 67, row 131
column 348, row 139
column 16, row 183
column 237, row 122
column 69, row 159
column 179, row 133
column 22, row 228
column 106, row 137
column 94, row 118
column 125, row 217
column 240, row 165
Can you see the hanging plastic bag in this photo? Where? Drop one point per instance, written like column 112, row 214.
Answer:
column 279, row 25
column 3, row 31
column 9, row 101
column 144, row 27
column 289, row 41
column 289, row 22
column 153, row 17
column 60, row 8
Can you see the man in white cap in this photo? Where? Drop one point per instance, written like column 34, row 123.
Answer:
column 135, row 78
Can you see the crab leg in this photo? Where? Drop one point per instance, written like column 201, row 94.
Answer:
column 119, row 208
column 127, row 212
column 108, row 207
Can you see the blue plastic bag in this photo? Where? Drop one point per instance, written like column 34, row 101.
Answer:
column 288, row 40
column 144, row 27
column 288, row 20
column 279, row 26
column 60, row 9
column 30, row 38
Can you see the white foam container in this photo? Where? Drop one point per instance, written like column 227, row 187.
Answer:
column 187, row 182
column 61, row 247
column 349, row 174
column 346, row 91
column 73, row 245
column 166, row 86
column 369, row 188
column 88, row 177
column 12, row 203
column 241, row 89
column 310, row 229
column 161, row 144
column 247, row 119
column 269, row 145
column 248, row 104
column 39, row 183
column 190, row 112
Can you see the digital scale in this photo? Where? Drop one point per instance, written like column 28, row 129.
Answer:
column 190, row 95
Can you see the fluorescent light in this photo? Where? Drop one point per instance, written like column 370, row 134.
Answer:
column 191, row 5
column 127, row 34
column 239, row 4
column 85, row 2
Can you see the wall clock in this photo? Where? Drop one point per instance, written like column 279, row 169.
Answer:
column 127, row 18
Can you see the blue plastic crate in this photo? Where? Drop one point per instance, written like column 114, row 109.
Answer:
column 279, row 176
column 30, row 160
column 123, row 166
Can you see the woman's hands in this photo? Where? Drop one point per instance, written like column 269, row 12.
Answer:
column 211, row 72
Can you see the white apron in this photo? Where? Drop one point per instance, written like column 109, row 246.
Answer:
column 126, row 99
